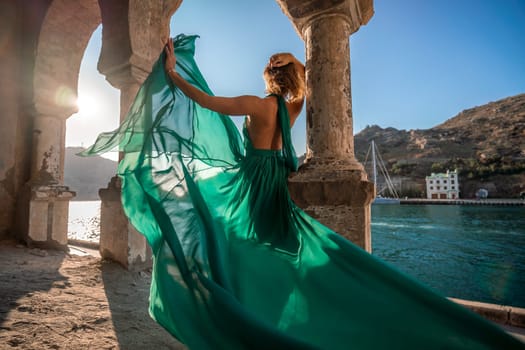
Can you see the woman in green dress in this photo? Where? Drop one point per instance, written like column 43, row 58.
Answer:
column 236, row 264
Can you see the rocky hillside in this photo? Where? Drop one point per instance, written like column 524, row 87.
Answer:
column 86, row 175
column 486, row 144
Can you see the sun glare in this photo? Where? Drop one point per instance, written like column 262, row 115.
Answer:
column 87, row 105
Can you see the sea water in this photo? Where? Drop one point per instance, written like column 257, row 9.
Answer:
column 84, row 221
column 467, row 252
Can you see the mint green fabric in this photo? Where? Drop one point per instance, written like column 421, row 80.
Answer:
column 237, row 265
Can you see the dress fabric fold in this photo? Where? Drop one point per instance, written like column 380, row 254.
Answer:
column 236, row 264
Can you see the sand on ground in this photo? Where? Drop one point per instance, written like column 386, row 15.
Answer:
column 71, row 300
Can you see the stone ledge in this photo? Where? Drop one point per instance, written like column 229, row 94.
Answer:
column 502, row 314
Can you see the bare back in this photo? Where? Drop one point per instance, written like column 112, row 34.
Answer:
column 264, row 129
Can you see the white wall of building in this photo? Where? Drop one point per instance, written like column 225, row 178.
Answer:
column 443, row 185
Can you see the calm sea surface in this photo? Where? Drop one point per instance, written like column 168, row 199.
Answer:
column 468, row 252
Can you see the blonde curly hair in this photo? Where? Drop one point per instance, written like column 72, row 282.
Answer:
column 287, row 81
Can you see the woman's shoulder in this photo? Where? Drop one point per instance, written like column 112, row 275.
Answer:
column 270, row 109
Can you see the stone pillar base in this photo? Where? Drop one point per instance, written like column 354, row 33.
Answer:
column 338, row 197
column 42, row 215
column 119, row 240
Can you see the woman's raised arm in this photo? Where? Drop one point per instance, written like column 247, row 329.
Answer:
column 234, row 106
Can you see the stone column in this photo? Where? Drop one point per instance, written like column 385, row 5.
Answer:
column 332, row 185
column 329, row 104
column 45, row 200
column 133, row 35
column 119, row 241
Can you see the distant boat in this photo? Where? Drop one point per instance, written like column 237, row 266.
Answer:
column 386, row 193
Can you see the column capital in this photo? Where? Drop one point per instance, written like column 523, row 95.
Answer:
column 54, row 100
column 48, row 109
column 303, row 13
column 133, row 71
column 133, row 36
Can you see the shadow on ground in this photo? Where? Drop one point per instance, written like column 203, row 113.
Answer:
column 22, row 275
column 57, row 300
column 127, row 294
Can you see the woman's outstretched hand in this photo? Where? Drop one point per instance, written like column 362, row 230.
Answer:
column 169, row 62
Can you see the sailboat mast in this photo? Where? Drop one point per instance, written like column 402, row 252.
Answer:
column 374, row 165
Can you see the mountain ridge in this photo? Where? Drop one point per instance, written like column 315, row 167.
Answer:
column 86, row 175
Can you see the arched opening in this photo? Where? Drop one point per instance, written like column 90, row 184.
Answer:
column 98, row 110
column 63, row 38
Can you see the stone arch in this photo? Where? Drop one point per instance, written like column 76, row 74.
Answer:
column 65, row 32
column 133, row 35
column 44, row 43
column 62, row 39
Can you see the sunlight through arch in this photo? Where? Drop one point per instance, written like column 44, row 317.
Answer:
column 98, row 102
column 98, row 111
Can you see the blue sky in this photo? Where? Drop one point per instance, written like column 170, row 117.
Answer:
column 414, row 65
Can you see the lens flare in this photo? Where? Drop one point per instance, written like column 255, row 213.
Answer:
column 65, row 96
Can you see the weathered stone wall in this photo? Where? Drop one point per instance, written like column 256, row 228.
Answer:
column 8, row 113
column 19, row 29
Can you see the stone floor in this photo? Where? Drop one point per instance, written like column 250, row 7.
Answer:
column 54, row 300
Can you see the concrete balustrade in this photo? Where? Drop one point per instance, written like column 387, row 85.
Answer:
column 502, row 314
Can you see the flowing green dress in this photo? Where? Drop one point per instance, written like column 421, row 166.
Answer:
column 237, row 265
